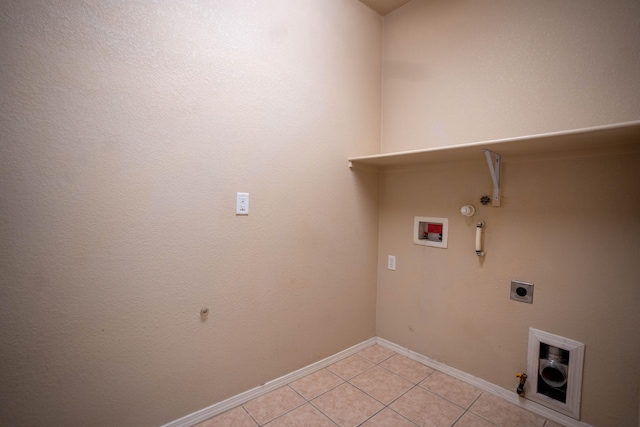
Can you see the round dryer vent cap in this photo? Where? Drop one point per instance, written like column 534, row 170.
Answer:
column 553, row 373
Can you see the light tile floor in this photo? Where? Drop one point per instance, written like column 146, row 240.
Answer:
column 374, row 388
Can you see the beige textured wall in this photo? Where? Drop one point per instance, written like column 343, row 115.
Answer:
column 463, row 71
column 552, row 231
column 126, row 130
column 458, row 72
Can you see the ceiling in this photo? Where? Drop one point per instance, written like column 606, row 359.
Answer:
column 384, row 6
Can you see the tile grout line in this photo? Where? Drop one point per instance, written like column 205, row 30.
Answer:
column 325, row 415
column 348, row 381
column 480, row 416
column 251, row 416
column 418, row 384
column 326, row 391
column 384, row 405
column 310, row 401
column 304, row 402
column 468, row 410
column 388, row 406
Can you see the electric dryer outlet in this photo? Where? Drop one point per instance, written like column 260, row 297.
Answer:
column 521, row 291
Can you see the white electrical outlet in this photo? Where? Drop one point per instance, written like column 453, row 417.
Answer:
column 391, row 262
column 242, row 204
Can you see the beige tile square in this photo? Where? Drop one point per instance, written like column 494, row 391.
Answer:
column 426, row 409
column 233, row 417
column 407, row 368
column 271, row 405
column 388, row 418
column 313, row 385
column 503, row 413
column 452, row 389
column 305, row 415
column 376, row 353
column 347, row 406
column 350, row 367
column 472, row 420
column 383, row 385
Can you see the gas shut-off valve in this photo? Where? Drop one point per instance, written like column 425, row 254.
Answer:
column 523, row 379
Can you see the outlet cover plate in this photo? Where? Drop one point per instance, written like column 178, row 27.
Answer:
column 521, row 291
column 391, row 262
column 242, row 203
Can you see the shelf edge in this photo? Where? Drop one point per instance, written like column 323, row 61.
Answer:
column 457, row 152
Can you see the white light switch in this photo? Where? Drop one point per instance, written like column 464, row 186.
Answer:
column 391, row 262
column 242, row 204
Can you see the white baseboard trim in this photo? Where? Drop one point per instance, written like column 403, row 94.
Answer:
column 239, row 399
column 509, row 396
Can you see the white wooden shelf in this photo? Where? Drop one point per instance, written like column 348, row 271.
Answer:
column 598, row 136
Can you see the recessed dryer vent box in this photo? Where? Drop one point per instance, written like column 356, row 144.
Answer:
column 429, row 231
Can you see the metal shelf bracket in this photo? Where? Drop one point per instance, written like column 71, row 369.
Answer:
column 493, row 160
